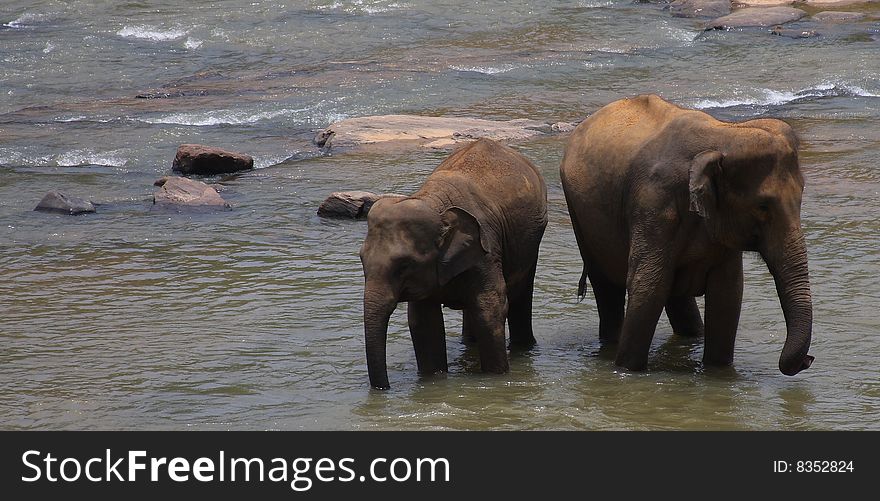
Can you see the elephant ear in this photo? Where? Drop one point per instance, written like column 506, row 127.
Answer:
column 460, row 243
column 704, row 176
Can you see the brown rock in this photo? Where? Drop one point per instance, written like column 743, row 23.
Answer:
column 421, row 131
column 830, row 16
column 175, row 190
column 350, row 204
column 55, row 201
column 838, row 3
column 762, row 3
column 207, row 160
column 699, row 8
column 757, row 17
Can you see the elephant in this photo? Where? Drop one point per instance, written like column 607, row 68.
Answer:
column 664, row 201
column 467, row 239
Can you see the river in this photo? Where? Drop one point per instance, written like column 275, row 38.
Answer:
column 251, row 318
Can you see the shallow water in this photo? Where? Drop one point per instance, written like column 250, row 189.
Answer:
column 250, row 318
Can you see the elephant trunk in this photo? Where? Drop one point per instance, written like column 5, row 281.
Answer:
column 379, row 304
column 789, row 269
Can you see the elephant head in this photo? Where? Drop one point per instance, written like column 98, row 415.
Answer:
column 748, row 191
column 410, row 252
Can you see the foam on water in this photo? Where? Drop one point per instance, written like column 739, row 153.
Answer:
column 74, row 158
column 25, row 20
column 192, row 43
column 773, row 97
column 597, row 4
column 223, row 117
column 368, row 7
column 486, row 70
column 77, row 158
column 151, row 33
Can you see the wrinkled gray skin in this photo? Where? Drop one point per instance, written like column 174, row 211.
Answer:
column 468, row 239
column 663, row 202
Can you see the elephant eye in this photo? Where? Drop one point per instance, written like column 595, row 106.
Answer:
column 764, row 208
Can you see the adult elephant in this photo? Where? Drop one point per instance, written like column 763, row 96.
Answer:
column 468, row 239
column 664, row 201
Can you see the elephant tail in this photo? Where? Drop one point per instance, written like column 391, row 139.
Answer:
column 582, row 286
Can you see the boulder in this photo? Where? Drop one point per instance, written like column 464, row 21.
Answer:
column 55, row 201
column 699, row 8
column 757, row 17
column 175, row 190
column 206, row 160
column 421, row 131
column 831, row 16
column 350, row 204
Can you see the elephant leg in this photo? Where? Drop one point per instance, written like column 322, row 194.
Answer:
column 684, row 316
column 519, row 316
column 489, row 316
column 724, row 287
column 428, row 335
column 610, row 301
column 648, row 286
column 469, row 326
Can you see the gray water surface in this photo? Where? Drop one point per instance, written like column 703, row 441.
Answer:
column 250, row 318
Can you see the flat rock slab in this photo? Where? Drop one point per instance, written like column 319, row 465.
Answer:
column 757, row 17
column 830, row 16
column 763, row 3
column 428, row 132
column 699, row 8
column 350, row 204
column 828, row 3
column 181, row 191
column 55, row 201
column 207, row 160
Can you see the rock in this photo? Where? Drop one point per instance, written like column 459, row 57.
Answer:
column 790, row 33
column 831, row 16
column 174, row 190
column 350, row 204
column 825, row 3
column 699, row 8
column 206, row 160
column 420, row 131
column 55, row 201
column 763, row 3
column 757, row 16
column 563, row 127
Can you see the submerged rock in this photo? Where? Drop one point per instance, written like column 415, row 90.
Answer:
column 790, row 33
column 55, row 201
column 421, row 131
column 350, row 204
column 757, row 17
column 699, row 8
column 831, row 16
column 174, row 190
column 207, row 160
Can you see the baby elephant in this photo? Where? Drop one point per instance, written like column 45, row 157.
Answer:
column 468, row 239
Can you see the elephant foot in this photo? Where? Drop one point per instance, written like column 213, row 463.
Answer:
column 631, row 362
column 522, row 343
